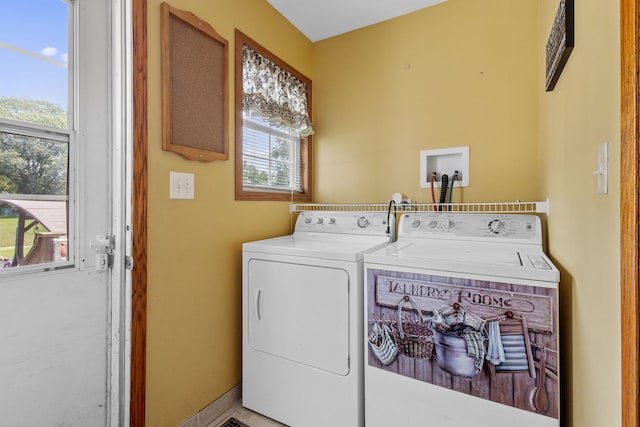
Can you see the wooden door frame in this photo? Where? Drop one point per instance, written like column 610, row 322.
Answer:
column 629, row 188
column 139, row 217
column 629, row 230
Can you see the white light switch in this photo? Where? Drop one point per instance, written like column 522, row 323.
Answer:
column 601, row 172
column 181, row 185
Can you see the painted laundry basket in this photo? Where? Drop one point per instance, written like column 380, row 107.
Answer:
column 413, row 333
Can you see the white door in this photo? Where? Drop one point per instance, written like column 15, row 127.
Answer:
column 62, row 319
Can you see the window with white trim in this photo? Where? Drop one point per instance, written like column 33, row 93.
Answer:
column 36, row 130
column 273, row 126
column 271, row 157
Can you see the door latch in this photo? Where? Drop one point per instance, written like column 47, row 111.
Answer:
column 103, row 247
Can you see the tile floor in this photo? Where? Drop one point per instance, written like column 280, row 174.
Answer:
column 252, row 419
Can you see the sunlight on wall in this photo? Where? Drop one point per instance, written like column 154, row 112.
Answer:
column 462, row 73
column 194, row 270
column 583, row 229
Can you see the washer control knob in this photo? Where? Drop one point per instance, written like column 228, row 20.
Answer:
column 332, row 220
column 320, row 220
column 307, row 220
column 432, row 224
column 449, row 224
column 415, row 223
column 496, row 226
column 363, row 222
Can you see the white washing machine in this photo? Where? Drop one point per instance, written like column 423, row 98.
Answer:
column 462, row 324
column 302, row 299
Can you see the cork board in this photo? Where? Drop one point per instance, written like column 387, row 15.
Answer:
column 194, row 87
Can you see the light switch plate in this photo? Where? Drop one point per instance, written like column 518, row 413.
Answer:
column 181, row 185
column 602, row 171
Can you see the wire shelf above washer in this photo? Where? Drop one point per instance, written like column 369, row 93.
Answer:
column 491, row 207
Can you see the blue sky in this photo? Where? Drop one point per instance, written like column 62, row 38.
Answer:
column 38, row 27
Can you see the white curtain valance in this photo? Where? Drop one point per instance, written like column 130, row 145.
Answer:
column 274, row 94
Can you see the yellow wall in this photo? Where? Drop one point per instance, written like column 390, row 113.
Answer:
column 194, row 246
column 462, row 73
column 476, row 77
column 583, row 228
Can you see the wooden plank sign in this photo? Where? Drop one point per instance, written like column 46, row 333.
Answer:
column 481, row 301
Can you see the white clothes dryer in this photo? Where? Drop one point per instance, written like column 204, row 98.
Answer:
column 302, row 298
column 462, row 324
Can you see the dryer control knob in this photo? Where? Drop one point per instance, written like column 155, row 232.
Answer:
column 320, row 220
column 449, row 225
column 415, row 223
column 432, row 224
column 307, row 220
column 363, row 222
column 332, row 220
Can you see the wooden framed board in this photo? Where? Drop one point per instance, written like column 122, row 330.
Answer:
column 561, row 42
column 194, row 87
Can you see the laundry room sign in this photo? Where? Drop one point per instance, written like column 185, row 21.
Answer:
column 494, row 341
column 483, row 301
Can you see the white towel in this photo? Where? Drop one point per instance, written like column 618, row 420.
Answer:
column 495, row 351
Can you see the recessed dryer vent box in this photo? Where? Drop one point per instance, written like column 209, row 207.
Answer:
column 444, row 161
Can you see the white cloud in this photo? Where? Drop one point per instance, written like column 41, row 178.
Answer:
column 49, row 51
column 64, row 57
